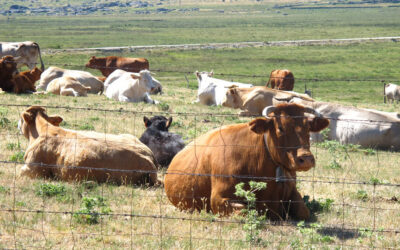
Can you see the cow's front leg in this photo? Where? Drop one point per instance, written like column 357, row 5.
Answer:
column 148, row 99
column 225, row 206
column 298, row 208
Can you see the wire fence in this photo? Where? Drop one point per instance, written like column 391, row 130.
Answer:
column 352, row 193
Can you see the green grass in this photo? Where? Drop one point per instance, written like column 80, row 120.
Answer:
column 262, row 23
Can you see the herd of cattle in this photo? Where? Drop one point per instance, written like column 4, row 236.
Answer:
column 202, row 174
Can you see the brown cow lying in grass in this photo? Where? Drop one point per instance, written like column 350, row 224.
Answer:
column 8, row 69
column 110, row 63
column 80, row 155
column 271, row 149
column 25, row 81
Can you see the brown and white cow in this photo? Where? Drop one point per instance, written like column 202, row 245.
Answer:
column 26, row 52
column 54, row 152
column 110, row 63
column 281, row 79
column 271, row 149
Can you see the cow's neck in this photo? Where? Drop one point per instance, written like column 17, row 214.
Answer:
column 281, row 173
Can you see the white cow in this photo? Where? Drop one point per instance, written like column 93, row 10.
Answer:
column 67, row 86
column 212, row 90
column 350, row 125
column 85, row 78
column 25, row 52
column 392, row 92
column 130, row 87
column 119, row 72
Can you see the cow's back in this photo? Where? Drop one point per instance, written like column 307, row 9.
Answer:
column 205, row 165
column 97, row 156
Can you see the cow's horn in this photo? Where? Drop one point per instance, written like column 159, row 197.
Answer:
column 267, row 110
column 283, row 99
column 312, row 111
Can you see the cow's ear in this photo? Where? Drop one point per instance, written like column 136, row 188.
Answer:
column 28, row 117
column 55, row 120
column 211, row 74
column 169, row 122
column 317, row 124
column 135, row 76
column 93, row 57
column 260, row 125
column 146, row 121
column 232, row 91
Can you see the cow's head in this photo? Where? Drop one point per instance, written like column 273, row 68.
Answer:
column 8, row 67
column 35, row 73
column 146, row 80
column 286, row 130
column 158, row 122
column 232, row 98
column 92, row 62
column 27, row 122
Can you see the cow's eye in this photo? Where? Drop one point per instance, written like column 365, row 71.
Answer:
column 280, row 128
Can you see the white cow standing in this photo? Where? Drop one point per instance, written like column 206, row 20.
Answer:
column 131, row 87
column 211, row 90
column 83, row 77
column 392, row 92
column 25, row 52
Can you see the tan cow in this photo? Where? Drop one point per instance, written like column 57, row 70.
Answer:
column 54, row 152
column 253, row 100
column 67, row 86
column 204, row 174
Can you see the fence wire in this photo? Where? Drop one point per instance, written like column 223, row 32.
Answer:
column 355, row 205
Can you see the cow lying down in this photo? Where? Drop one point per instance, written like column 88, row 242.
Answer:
column 271, row 149
column 165, row 145
column 54, row 152
column 83, row 77
column 364, row 127
column 131, row 87
column 67, row 86
column 253, row 100
column 118, row 73
column 211, row 90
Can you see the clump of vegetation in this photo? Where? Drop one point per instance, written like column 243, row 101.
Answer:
column 50, row 190
column 362, row 195
column 320, row 205
column 13, row 146
column 4, row 190
column 91, row 210
column 163, row 106
column 311, row 232
column 17, row 157
column 253, row 221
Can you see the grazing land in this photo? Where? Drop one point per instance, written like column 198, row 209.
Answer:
column 353, row 192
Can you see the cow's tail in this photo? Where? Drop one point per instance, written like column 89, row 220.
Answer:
column 40, row 56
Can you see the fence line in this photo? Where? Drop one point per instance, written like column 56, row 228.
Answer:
column 161, row 227
column 267, row 75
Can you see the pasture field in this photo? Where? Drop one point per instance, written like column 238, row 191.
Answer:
column 353, row 193
column 237, row 23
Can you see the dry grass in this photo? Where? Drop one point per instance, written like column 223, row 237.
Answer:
column 143, row 217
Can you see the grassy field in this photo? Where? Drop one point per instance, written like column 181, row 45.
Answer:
column 254, row 23
column 354, row 192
